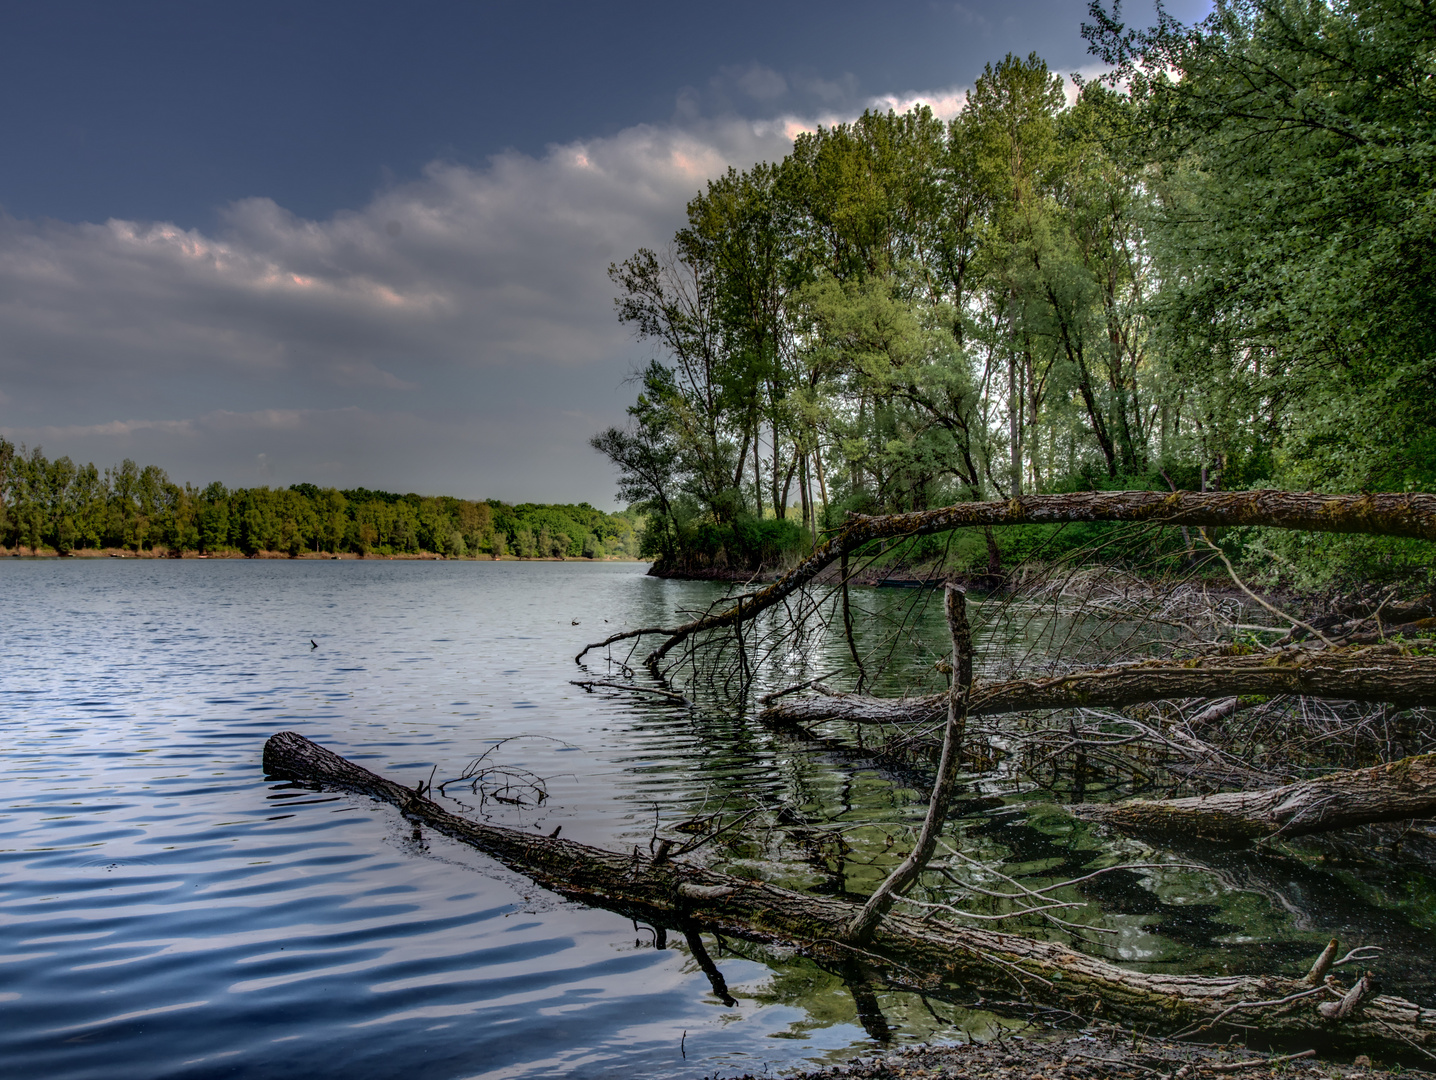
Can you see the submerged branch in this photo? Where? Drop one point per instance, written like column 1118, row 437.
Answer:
column 922, row 954
column 1396, row 792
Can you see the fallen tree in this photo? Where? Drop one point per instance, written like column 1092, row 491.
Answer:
column 1395, row 792
column 1410, row 515
column 919, row 954
column 1379, row 673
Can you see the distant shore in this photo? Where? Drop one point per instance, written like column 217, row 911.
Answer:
column 162, row 553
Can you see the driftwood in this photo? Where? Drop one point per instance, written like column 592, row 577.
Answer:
column 1396, row 792
column 905, row 951
column 1377, row 673
column 1408, row 515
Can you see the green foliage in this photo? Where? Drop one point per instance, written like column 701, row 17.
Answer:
column 54, row 504
column 1297, row 228
column 743, row 545
column 1214, row 269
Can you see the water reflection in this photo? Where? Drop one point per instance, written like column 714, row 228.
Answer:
column 168, row 913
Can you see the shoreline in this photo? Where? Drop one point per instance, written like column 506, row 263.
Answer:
column 1109, row 1053
column 311, row 556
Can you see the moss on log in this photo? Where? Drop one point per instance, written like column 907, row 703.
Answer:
column 1411, row 515
column 1379, row 673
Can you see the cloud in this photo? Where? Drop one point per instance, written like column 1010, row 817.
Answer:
column 424, row 323
column 757, row 82
column 945, row 104
column 456, row 334
column 485, row 267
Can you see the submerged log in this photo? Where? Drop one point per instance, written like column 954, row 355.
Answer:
column 1369, row 674
column 1396, row 792
column 907, row 952
column 1408, row 515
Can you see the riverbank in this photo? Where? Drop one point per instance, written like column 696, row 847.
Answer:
column 893, row 574
column 1108, row 1053
column 162, row 553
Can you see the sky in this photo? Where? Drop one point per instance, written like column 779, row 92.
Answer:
column 365, row 244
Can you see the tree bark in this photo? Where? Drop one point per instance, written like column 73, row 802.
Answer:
column 1404, row 789
column 1408, row 515
column 906, row 952
column 1371, row 674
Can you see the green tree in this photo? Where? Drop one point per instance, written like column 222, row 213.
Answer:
column 1294, row 158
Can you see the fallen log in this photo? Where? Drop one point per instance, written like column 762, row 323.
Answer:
column 1407, row 515
column 1368, row 674
column 1396, row 792
column 907, row 952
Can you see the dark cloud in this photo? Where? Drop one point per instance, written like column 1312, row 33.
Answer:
column 455, row 334
column 456, row 331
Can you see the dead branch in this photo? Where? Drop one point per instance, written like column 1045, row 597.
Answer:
column 907, row 872
column 1350, row 1001
column 1362, row 673
column 1237, row 1066
column 590, row 684
column 1270, row 607
column 911, row 953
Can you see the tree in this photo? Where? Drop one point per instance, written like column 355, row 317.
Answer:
column 647, row 462
column 1293, row 143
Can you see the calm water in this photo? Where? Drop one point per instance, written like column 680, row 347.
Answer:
column 166, row 912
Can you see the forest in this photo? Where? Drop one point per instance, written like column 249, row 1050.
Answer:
column 65, row 507
column 1208, row 270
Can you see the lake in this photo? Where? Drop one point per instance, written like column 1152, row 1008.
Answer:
column 167, row 912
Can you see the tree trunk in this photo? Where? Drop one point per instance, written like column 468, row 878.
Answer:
column 907, row 952
column 1378, row 673
column 1404, row 789
column 1409, row 515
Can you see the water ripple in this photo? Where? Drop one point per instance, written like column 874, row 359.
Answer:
column 164, row 912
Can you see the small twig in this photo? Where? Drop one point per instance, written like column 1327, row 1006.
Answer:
column 1363, row 952
column 1397, row 1032
column 1242, row 1006
column 1237, row 1066
column 768, row 699
column 994, row 918
column 589, row 684
column 1240, row 584
column 694, row 845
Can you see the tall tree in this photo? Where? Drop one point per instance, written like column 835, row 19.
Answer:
column 1295, row 141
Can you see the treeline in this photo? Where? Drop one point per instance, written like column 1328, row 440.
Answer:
column 67, row 507
column 1214, row 269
